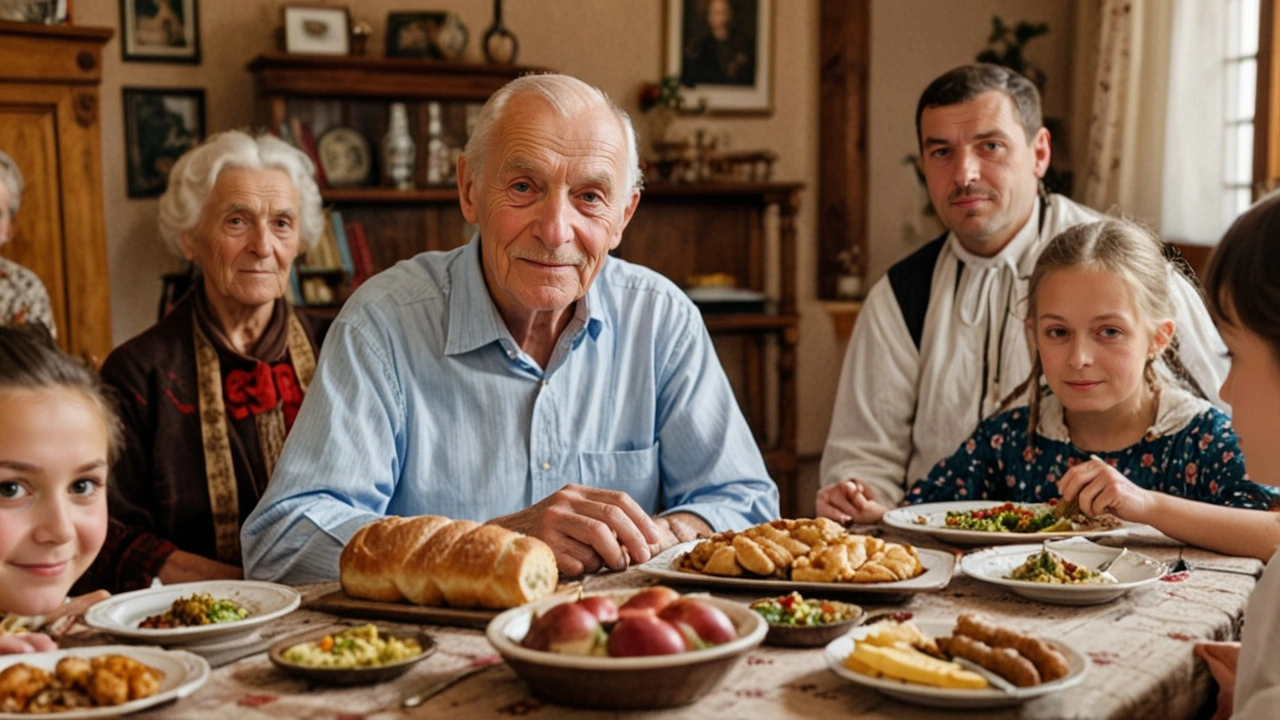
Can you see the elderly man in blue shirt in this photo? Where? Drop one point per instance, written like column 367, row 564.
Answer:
column 526, row 379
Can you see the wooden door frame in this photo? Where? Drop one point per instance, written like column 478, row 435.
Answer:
column 845, row 54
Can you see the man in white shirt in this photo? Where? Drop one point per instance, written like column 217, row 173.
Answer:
column 940, row 340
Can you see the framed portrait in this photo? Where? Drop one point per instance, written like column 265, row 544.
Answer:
column 415, row 34
column 160, row 30
column 722, row 51
column 317, row 30
column 160, row 124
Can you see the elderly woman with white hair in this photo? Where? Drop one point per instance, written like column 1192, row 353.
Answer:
column 208, row 394
column 22, row 296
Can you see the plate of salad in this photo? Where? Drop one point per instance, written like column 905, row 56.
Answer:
column 192, row 612
column 995, row 522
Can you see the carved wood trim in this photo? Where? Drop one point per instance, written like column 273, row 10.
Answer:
column 845, row 51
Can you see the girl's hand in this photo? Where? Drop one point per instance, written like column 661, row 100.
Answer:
column 1100, row 488
column 1222, row 659
column 60, row 621
column 25, row 643
column 849, row 502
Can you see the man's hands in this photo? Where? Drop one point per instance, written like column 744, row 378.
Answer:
column 850, row 501
column 589, row 528
column 1100, row 488
column 1222, row 659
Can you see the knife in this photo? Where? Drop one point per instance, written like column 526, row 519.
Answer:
column 439, row 686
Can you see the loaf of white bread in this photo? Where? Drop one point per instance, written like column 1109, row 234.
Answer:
column 432, row 560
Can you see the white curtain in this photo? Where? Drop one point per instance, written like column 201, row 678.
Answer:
column 1125, row 152
column 1156, row 95
column 1195, row 208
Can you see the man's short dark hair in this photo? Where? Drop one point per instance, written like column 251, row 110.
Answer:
column 967, row 82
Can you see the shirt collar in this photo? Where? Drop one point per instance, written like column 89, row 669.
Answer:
column 1175, row 408
column 474, row 320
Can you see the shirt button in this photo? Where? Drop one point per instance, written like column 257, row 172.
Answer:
column 546, row 466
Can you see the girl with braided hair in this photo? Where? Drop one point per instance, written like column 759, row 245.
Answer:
column 1113, row 421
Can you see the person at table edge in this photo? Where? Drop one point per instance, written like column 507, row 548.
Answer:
column 527, row 378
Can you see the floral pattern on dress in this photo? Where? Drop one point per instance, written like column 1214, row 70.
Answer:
column 1201, row 461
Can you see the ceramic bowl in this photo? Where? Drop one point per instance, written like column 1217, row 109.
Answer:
column 806, row 636
column 632, row 683
column 349, row 676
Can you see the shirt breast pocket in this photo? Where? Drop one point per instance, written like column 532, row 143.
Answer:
column 634, row 472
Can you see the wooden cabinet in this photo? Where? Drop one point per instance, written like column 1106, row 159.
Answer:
column 678, row 230
column 683, row 230
column 50, row 126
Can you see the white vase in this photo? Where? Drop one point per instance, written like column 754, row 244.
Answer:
column 398, row 149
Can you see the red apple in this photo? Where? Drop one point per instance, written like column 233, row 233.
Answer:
column 707, row 623
column 567, row 628
column 649, row 601
column 641, row 634
column 605, row 610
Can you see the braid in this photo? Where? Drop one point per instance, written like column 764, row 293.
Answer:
column 1033, row 383
column 1173, row 360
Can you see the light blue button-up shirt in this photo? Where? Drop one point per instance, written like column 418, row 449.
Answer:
column 423, row 403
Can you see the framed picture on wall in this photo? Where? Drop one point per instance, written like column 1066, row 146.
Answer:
column 722, row 51
column 159, row 125
column 317, row 30
column 160, row 30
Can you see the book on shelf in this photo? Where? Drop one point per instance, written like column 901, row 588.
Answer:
column 360, row 253
column 305, row 141
column 340, row 239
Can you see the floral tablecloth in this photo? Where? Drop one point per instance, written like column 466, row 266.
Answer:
column 1140, row 645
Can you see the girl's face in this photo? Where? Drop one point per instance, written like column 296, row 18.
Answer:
column 1252, row 388
column 1094, row 342
column 53, row 502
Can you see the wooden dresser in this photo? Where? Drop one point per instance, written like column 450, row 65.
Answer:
column 50, row 125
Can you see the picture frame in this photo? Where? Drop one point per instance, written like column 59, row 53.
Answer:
column 317, row 30
column 413, row 34
column 160, row 124
column 160, row 31
column 722, row 52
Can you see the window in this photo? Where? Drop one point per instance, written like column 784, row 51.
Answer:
column 1241, row 71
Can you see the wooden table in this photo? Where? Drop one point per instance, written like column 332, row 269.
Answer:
column 1140, row 645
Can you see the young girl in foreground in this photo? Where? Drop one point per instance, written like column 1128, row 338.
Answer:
column 1119, row 430
column 1244, row 297
column 57, row 435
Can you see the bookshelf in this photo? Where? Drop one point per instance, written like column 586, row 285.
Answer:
column 746, row 230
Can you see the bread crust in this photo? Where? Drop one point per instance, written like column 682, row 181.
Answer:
column 432, row 560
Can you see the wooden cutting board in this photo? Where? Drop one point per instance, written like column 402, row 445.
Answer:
column 339, row 603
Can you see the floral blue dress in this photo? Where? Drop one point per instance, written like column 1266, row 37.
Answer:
column 1190, row 451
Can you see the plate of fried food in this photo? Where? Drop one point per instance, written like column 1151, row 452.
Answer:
column 96, row 682
column 192, row 612
column 968, row 663
column 803, row 554
column 1064, row 572
column 995, row 522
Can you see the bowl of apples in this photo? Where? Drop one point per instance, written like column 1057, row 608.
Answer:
column 625, row 650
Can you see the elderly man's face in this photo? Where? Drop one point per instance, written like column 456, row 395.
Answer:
column 552, row 201
column 247, row 237
column 981, row 171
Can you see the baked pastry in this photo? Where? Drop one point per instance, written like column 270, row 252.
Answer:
column 817, row 550
column 432, row 560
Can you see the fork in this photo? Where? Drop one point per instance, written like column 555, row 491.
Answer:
column 1105, row 566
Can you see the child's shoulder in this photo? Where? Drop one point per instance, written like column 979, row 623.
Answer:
column 1180, row 411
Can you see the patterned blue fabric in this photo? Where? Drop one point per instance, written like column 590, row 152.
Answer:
column 1201, row 461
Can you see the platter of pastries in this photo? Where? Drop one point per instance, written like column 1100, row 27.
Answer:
column 803, row 554
column 971, row 662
